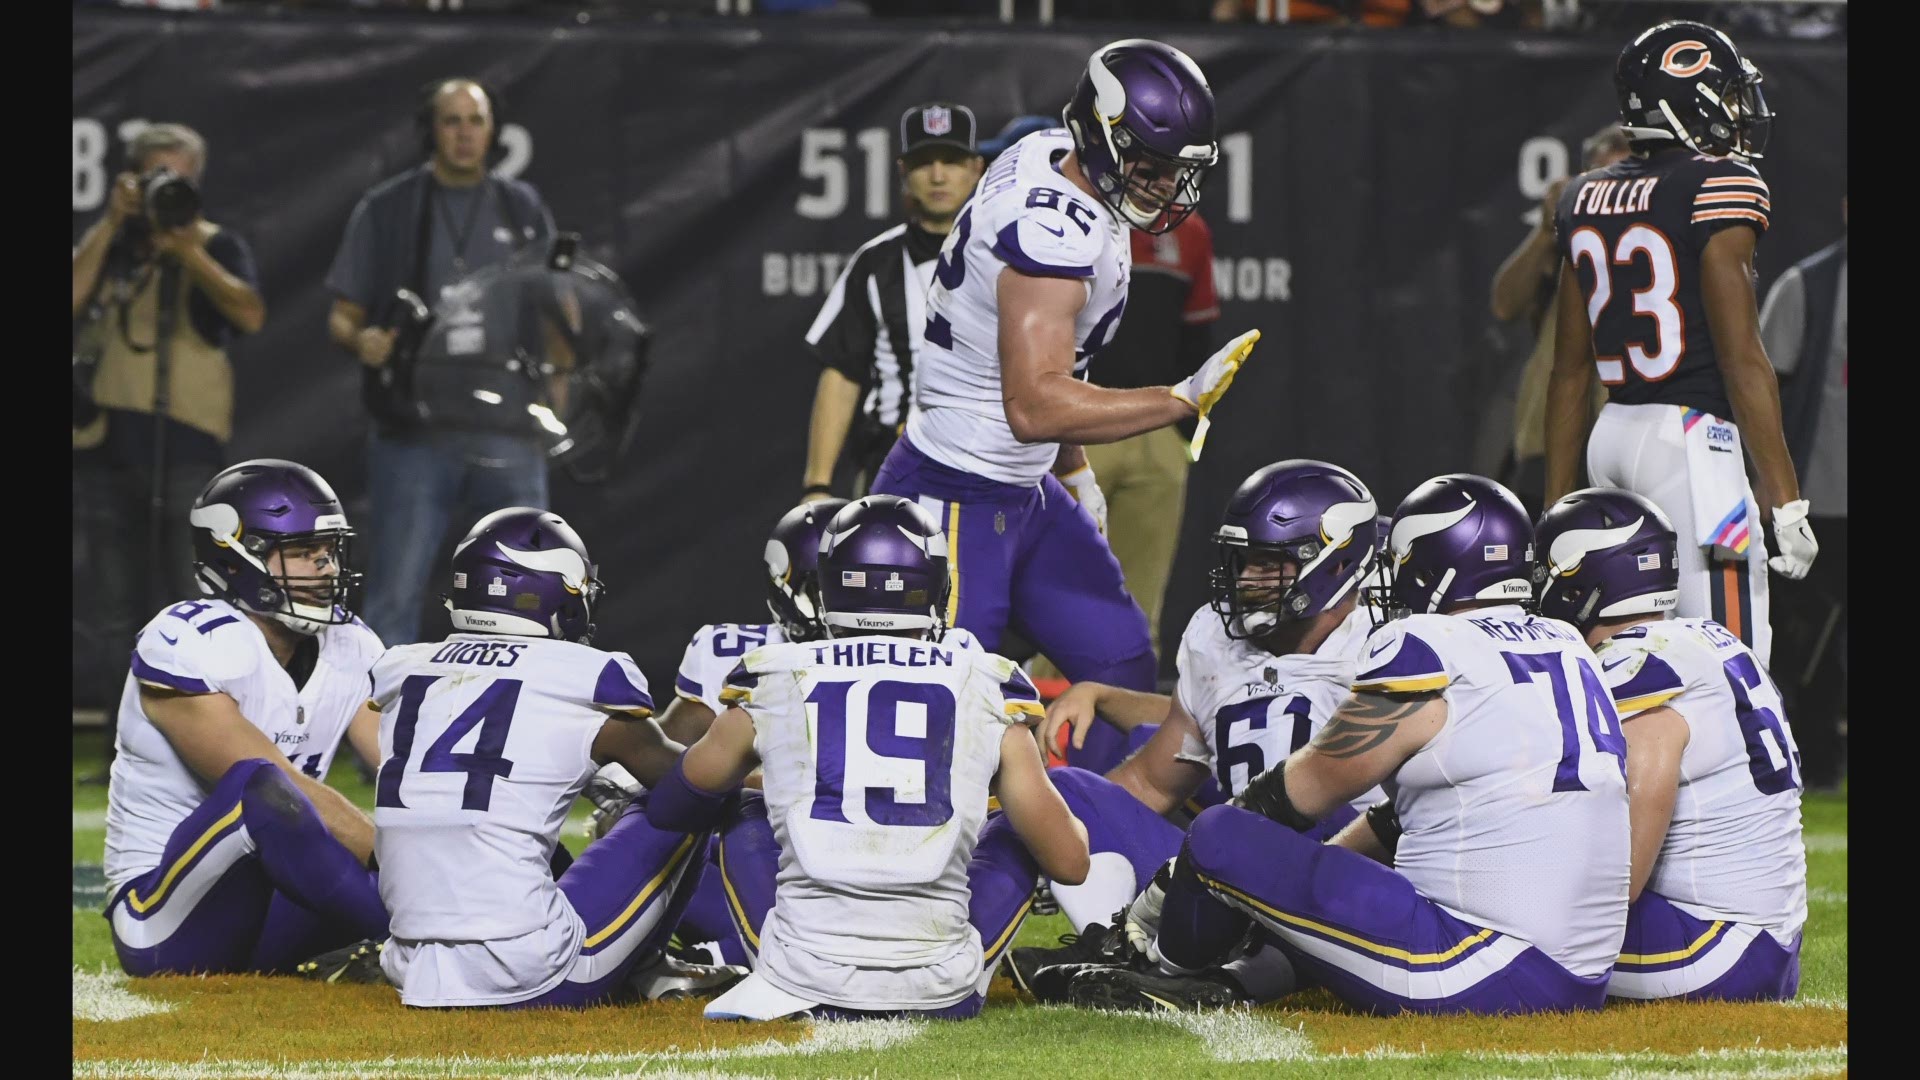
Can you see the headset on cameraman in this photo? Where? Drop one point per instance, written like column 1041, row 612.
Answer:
column 412, row 311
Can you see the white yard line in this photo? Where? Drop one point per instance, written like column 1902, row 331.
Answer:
column 104, row 997
column 821, row 1039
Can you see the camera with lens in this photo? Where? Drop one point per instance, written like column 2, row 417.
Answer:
column 170, row 198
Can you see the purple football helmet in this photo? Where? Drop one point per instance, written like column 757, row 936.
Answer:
column 1317, row 516
column 883, row 567
column 1143, row 130
column 247, row 512
column 793, row 562
column 1607, row 552
column 1457, row 539
column 1686, row 82
column 526, row 572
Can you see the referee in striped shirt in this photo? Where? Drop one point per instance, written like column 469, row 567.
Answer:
column 868, row 331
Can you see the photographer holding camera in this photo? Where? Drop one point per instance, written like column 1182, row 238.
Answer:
column 410, row 241
column 158, row 293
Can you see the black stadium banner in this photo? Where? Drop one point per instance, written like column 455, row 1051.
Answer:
column 1369, row 185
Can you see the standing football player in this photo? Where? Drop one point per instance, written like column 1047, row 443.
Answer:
column 464, row 838
column 1029, row 285
column 1263, row 665
column 1505, row 845
column 1656, row 293
column 1719, row 888
column 225, row 852
column 880, row 746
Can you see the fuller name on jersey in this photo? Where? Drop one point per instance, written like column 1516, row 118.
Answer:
column 210, row 646
column 1515, row 814
column 1634, row 232
column 485, row 742
column 1026, row 215
column 878, row 753
column 1733, row 850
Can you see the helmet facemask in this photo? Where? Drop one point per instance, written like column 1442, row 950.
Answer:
column 303, row 603
column 1153, row 192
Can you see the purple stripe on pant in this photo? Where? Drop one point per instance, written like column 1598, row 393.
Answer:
column 296, row 893
column 1669, row 954
column 1315, row 899
column 1031, row 558
column 603, row 884
column 1001, row 877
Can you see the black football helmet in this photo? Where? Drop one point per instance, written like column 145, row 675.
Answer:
column 1686, row 81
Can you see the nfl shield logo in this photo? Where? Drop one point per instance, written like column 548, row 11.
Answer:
column 999, row 523
column 937, row 120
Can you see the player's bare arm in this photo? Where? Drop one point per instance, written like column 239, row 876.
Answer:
column 1156, row 775
column 724, row 756
column 834, row 399
column 686, row 720
column 637, row 743
column 1045, row 403
column 1368, row 739
column 1656, row 739
column 1056, row 839
column 1569, row 387
column 211, row 736
column 363, row 734
column 1124, row 709
column 1733, row 317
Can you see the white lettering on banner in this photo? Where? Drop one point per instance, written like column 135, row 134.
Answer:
column 1543, row 159
column 518, row 143
column 1253, row 279
column 799, row 273
column 89, row 163
column 821, row 163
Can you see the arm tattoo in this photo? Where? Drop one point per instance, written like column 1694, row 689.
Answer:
column 1366, row 722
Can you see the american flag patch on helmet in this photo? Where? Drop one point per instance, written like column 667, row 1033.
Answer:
column 1496, row 552
column 1650, row 561
column 853, row 579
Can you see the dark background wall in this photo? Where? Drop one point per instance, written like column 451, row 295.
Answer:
column 1370, row 186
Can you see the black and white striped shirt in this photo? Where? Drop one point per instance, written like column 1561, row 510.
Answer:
column 869, row 328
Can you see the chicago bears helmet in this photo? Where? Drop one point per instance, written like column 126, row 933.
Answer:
column 1686, row 81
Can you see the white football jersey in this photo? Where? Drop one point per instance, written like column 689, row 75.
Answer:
column 1027, row 215
column 1734, row 850
column 1254, row 708
column 485, row 741
column 204, row 646
column 714, row 652
column 1515, row 815
column 878, row 754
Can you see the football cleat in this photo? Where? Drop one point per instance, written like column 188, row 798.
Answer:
column 1082, row 948
column 672, row 979
column 1099, row 987
column 357, row 963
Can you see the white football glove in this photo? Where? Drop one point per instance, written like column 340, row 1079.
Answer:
column 1794, row 535
column 1203, row 388
column 610, row 790
column 1087, row 491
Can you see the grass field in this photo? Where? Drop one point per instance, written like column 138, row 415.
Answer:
column 242, row 1026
